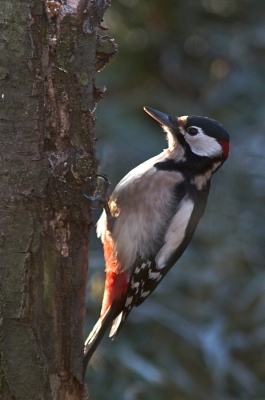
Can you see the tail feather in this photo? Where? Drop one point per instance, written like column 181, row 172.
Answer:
column 98, row 332
column 115, row 327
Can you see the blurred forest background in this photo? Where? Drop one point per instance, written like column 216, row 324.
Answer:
column 201, row 335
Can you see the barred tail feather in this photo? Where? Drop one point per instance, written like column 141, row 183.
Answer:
column 116, row 325
column 98, row 332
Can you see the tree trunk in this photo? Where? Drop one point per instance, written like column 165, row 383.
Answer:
column 48, row 99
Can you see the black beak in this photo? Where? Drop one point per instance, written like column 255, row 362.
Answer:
column 162, row 118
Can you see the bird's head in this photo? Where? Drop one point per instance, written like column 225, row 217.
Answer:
column 201, row 136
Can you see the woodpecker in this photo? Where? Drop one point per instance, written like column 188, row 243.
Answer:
column 152, row 214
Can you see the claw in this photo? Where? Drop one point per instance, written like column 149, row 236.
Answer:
column 101, row 194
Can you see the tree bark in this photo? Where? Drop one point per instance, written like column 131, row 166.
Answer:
column 47, row 143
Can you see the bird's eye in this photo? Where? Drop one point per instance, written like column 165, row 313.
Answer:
column 192, row 131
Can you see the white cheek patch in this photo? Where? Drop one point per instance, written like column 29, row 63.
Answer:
column 175, row 233
column 203, row 145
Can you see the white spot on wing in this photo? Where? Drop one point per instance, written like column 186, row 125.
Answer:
column 203, row 145
column 154, row 275
column 128, row 301
column 135, row 285
column 175, row 233
column 145, row 294
column 138, row 269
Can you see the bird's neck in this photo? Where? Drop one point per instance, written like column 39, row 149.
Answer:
column 196, row 169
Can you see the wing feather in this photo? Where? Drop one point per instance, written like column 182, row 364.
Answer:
column 147, row 273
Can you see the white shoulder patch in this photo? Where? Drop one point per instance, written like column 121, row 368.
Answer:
column 175, row 233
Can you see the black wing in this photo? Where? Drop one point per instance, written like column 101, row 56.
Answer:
column 144, row 280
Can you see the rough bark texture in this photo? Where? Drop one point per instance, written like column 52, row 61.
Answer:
column 48, row 98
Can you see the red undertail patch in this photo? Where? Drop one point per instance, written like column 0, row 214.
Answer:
column 116, row 283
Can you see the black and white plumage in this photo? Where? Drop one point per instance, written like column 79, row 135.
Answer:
column 155, row 210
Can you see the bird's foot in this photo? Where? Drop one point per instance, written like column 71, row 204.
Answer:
column 100, row 196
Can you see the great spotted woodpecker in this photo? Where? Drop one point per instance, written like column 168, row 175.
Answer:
column 152, row 215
